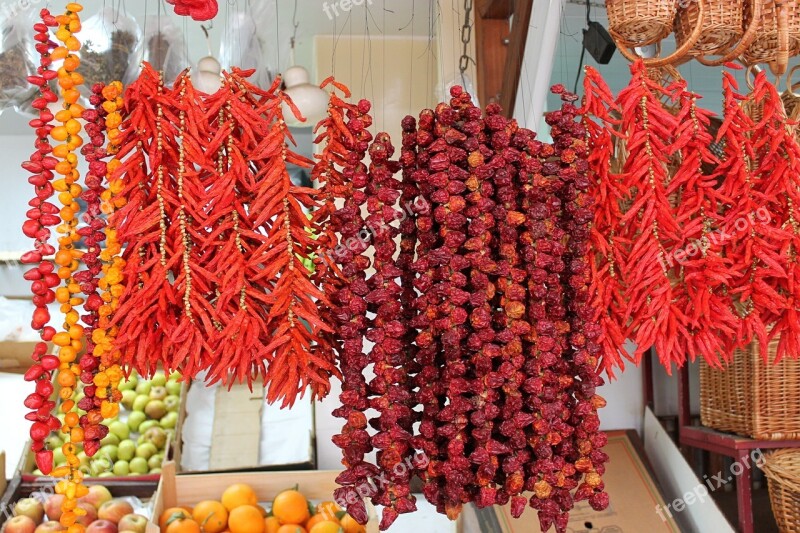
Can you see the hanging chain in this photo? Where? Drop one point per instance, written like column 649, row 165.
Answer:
column 466, row 37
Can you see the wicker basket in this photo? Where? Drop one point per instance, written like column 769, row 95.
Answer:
column 765, row 47
column 752, row 397
column 782, row 468
column 722, row 25
column 640, row 22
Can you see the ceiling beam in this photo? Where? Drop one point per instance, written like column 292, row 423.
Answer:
column 495, row 9
column 516, row 51
column 501, row 29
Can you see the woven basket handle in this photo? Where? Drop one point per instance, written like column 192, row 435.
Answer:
column 681, row 52
column 778, row 67
column 747, row 39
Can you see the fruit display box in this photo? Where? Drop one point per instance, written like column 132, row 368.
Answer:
column 109, row 463
column 18, row 488
column 176, row 490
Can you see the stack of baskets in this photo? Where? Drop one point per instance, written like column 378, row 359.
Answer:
column 754, row 31
column 782, row 468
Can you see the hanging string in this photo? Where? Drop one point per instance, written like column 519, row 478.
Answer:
column 410, row 25
column 278, row 35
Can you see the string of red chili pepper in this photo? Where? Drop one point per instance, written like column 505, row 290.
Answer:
column 350, row 311
column 42, row 215
column 704, row 274
column 743, row 249
column 777, row 187
column 610, row 249
column 650, row 224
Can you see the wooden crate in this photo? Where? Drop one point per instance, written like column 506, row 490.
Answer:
column 27, row 463
column 18, row 488
column 183, row 489
column 15, row 357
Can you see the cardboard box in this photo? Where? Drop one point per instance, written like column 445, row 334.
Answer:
column 15, row 357
column 182, row 489
column 630, row 484
column 233, row 440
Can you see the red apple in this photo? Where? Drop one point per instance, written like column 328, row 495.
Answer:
column 53, row 506
column 20, row 524
column 50, row 526
column 114, row 510
column 98, row 495
column 30, row 507
column 133, row 523
column 91, row 513
column 102, row 526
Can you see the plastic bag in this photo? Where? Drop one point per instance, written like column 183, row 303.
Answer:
column 248, row 43
column 16, row 63
column 112, row 48
column 164, row 47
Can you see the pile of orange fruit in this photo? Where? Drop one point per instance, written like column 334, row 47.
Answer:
column 238, row 511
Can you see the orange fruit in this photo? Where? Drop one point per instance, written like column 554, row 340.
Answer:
column 329, row 510
column 167, row 514
column 326, row 526
column 349, row 525
column 272, row 524
column 211, row 515
column 291, row 507
column 246, row 519
column 238, row 494
column 292, row 528
column 178, row 524
column 317, row 518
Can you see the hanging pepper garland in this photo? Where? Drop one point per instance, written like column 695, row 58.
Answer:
column 714, row 251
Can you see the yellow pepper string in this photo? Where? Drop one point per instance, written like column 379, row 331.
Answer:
column 69, row 341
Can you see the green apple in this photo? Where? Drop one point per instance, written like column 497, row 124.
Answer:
column 155, row 409
column 130, row 384
column 170, row 433
column 109, row 450
column 37, row 472
column 106, row 474
column 122, row 468
column 140, row 402
column 156, row 436
column 169, row 421
column 128, row 397
column 110, row 439
column 58, row 457
column 158, row 379
column 79, row 396
column 144, row 387
column 146, row 450
column 158, row 392
column 120, row 429
column 53, row 442
column 147, row 424
column 138, row 465
column 83, row 458
column 135, row 419
column 156, row 460
column 174, row 387
column 155, row 470
column 99, row 465
column 172, row 402
column 126, row 450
